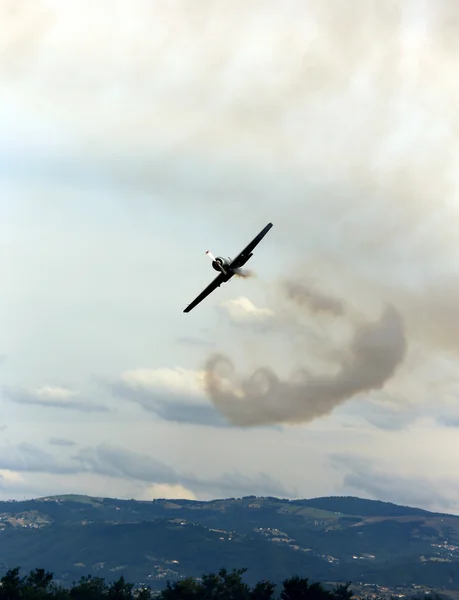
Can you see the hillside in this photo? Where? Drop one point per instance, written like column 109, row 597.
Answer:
column 326, row 539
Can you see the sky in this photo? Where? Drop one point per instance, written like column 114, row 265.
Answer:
column 134, row 139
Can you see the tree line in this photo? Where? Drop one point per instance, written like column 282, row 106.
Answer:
column 39, row 584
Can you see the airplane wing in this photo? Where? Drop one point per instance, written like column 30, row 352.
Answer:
column 244, row 256
column 221, row 277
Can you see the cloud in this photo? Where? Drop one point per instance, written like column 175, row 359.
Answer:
column 446, row 412
column 178, row 381
column 9, row 477
column 425, row 387
column 55, row 441
column 242, row 310
column 118, row 462
column 192, row 341
column 12, row 482
column 175, row 395
column 449, row 421
column 237, row 484
column 52, row 397
column 159, row 490
column 366, row 476
column 370, row 359
column 27, row 457
column 23, row 31
column 390, row 416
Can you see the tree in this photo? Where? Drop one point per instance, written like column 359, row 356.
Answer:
column 37, row 585
column 263, row 590
column 225, row 585
column 186, row 589
column 342, row 591
column 120, row 590
column 298, row 588
column 11, row 585
column 89, row 588
column 143, row 594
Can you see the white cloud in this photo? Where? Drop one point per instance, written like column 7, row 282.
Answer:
column 177, row 381
column 167, row 491
column 10, row 477
column 53, row 397
column 242, row 310
column 50, row 393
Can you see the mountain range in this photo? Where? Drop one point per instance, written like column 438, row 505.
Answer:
column 330, row 539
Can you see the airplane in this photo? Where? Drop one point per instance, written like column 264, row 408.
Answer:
column 229, row 267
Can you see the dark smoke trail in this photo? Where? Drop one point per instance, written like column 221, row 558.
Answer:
column 244, row 273
column 375, row 351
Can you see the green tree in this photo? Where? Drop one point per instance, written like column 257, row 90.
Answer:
column 11, row 585
column 186, row 589
column 263, row 590
column 298, row 588
column 143, row 594
column 342, row 591
column 225, row 585
column 37, row 585
column 120, row 590
column 89, row 588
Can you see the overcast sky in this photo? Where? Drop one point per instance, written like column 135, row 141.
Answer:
column 136, row 135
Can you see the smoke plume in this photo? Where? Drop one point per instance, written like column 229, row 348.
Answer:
column 245, row 273
column 316, row 301
column 370, row 360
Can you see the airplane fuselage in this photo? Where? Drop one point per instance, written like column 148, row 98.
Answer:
column 223, row 265
column 228, row 267
column 220, row 262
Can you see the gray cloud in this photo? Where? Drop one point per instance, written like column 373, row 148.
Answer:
column 237, row 484
column 169, row 407
column 391, row 414
column 192, row 341
column 30, row 458
column 23, row 396
column 371, row 359
column 118, row 462
column 448, row 421
column 387, row 418
column 366, row 476
column 56, row 441
column 113, row 461
column 447, row 414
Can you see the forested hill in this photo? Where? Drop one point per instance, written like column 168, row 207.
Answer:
column 326, row 539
